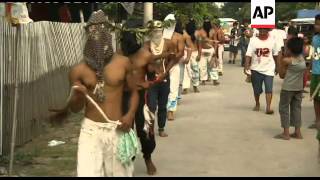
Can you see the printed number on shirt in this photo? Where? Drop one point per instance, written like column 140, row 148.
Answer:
column 262, row 52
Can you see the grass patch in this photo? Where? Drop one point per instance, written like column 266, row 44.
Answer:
column 59, row 167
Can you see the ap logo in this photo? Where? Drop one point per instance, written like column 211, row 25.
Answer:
column 262, row 14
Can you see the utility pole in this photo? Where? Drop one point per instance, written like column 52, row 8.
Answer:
column 148, row 15
column 148, row 12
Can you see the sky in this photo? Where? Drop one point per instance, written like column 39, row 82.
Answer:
column 219, row 4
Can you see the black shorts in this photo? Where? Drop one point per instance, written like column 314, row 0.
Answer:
column 233, row 49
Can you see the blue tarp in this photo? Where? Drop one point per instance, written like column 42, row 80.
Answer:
column 307, row 13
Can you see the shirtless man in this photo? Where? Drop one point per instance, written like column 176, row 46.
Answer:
column 218, row 38
column 140, row 58
column 176, row 37
column 206, row 54
column 194, row 60
column 157, row 95
column 185, row 69
column 202, row 37
column 102, row 75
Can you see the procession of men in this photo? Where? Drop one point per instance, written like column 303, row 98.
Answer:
column 142, row 84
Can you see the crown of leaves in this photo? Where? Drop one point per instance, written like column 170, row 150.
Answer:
column 139, row 32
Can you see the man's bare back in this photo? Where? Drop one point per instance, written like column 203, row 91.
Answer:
column 220, row 36
column 179, row 45
column 203, row 39
column 188, row 41
column 201, row 33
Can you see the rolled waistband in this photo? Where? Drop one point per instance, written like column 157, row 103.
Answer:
column 89, row 122
column 208, row 50
column 195, row 52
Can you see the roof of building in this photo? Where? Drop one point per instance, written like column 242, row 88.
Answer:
column 305, row 20
column 307, row 13
column 227, row 19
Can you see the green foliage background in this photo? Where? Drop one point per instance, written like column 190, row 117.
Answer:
column 236, row 10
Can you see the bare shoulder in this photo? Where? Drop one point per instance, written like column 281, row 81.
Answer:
column 181, row 37
column 77, row 71
column 79, row 67
column 122, row 61
column 119, row 57
column 287, row 60
column 142, row 55
column 186, row 35
column 145, row 53
column 178, row 35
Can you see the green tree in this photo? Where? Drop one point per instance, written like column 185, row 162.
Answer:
column 284, row 10
column 161, row 10
column 237, row 10
column 185, row 10
column 111, row 10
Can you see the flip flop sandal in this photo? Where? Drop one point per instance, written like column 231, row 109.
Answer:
column 281, row 136
column 295, row 136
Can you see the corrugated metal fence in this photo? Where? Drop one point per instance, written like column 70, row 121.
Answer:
column 38, row 57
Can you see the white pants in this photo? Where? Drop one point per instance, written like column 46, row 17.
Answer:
column 220, row 59
column 187, row 75
column 97, row 151
column 174, row 87
column 213, row 74
column 186, row 68
column 203, row 63
column 194, row 69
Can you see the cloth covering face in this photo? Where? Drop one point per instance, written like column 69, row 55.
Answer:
column 98, row 50
column 168, row 32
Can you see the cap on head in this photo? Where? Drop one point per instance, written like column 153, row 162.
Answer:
column 97, row 17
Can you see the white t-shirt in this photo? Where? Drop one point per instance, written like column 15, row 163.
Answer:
column 286, row 29
column 262, row 53
column 283, row 33
column 255, row 32
column 278, row 35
